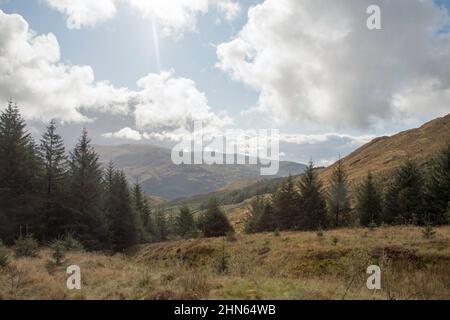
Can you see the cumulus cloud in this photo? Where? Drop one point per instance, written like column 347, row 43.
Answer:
column 317, row 62
column 30, row 69
column 31, row 72
column 167, row 103
column 84, row 13
column 174, row 16
column 125, row 133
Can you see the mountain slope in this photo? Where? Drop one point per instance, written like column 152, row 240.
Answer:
column 160, row 177
column 383, row 155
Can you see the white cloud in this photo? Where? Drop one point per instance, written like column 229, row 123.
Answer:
column 317, row 62
column 230, row 9
column 31, row 70
column 32, row 73
column 174, row 16
column 167, row 103
column 85, row 13
column 125, row 133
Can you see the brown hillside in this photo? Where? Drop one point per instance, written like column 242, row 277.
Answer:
column 383, row 155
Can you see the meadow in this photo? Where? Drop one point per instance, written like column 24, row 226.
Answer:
column 286, row 265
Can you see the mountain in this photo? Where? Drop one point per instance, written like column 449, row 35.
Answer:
column 159, row 176
column 383, row 155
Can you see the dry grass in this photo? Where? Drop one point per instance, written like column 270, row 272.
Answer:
column 297, row 265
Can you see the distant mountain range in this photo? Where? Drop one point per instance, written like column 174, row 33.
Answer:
column 153, row 168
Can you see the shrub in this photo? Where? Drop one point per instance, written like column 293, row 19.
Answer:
column 222, row 261
column 4, row 259
column 335, row 241
column 276, row 233
column 26, row 246
column 71, row 244
column 58, row 253
column 319, row 233
column 428, row 232
column 372, row 226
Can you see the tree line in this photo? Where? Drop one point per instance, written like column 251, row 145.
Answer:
column 416, row 195
column 48, row 194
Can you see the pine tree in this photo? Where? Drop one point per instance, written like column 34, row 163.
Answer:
column 19, row 166
column 313, row 204
column 256, row 211
column 52, row 153
column 161, row 227
column 405, row 196
column 214, row 222
column 141, row 213
column 185, row 224
column 120, row 214
column 437, row 194
column 267, row 221
column 286, row 205
column 56, row 218
column 19, row 175
column 338, row 198
column 369, row 202
column 86, row 194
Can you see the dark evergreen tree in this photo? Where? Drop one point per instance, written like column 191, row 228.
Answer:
column 185, row 223
column 369, row 206
column 86, row 195
column 405, row 196
column 286, row 205
column 52, row 153
column 56, row 218
column 256, row 210
column 141, row 213
column 338, row 197
column 267, row 221
column 120, row 214
column 161, row 225
column 20, row 170
column 437, row 193
column 214, row 222
column 313, row 204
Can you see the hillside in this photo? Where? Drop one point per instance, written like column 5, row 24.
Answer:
column 160, row 177
column 293, row 265
column 383, row 155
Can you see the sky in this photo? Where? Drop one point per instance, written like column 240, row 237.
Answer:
column 140, row 71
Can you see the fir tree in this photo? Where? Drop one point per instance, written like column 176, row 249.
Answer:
column 405, row 196
column 141, row 213
column 267, row 221
column 338, row 198
column 86, row 194
column 185, row 224
column 56, row 219
column 121, row 216
column 286, row 205
column 161, row 227
column 369, row 202
column 214, row 222
column 437, row 194
column 256, row 211
column 20, row 169
column 313, row 204
column 52, row 153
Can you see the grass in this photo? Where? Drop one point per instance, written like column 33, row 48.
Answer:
column 294, row 265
